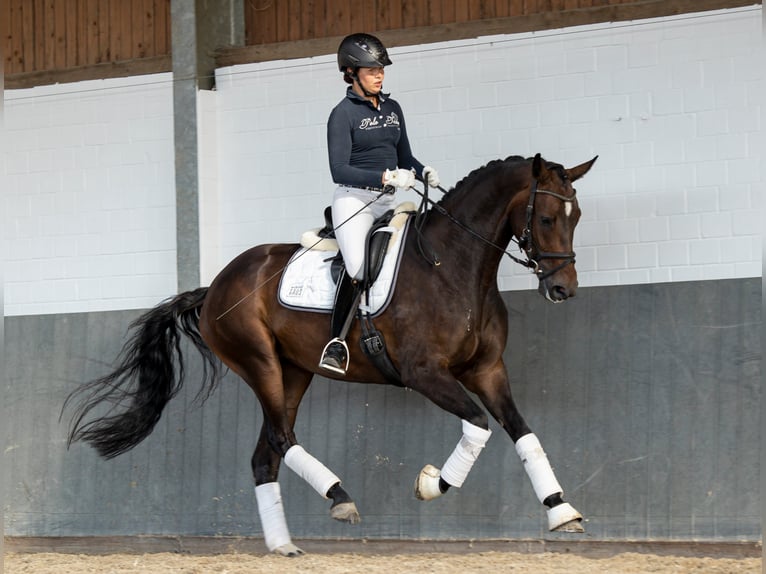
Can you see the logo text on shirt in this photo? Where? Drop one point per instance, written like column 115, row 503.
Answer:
column 369, row 123
column 392, row 120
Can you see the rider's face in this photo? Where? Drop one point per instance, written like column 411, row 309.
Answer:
column 371, row 79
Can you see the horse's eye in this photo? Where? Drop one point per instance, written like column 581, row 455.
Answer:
column 546, row 221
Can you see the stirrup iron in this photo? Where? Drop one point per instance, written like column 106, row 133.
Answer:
column 342, row 368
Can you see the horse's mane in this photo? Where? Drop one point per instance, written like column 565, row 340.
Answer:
column 496, row 164
column 479, row 171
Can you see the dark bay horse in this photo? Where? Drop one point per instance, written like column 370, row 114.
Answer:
column 445, row 330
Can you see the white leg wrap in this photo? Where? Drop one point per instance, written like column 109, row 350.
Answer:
column 466, row 452
column 537, row 466
column 310, row 469
column 269, row 499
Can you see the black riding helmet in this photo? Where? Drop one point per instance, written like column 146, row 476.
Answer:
column 361, row 51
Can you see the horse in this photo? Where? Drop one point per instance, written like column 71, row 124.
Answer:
column 445, row 330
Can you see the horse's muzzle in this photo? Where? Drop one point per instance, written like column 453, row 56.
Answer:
column 556, row 292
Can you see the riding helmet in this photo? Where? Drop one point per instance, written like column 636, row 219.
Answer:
column 362, row 51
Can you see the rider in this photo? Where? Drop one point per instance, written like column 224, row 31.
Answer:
column 370, row 158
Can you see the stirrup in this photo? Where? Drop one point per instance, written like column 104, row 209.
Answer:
column 330, row 361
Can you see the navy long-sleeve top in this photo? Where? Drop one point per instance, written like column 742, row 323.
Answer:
column 363, row 142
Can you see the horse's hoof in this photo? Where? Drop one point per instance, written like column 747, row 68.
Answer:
column 427, row 483
column 574, row 526
column 290, row 550
column 346, row 512
column 564, row 518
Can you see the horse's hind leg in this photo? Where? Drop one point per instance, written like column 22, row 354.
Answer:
column 268, row 496
column 495, row 393
column 266, row 461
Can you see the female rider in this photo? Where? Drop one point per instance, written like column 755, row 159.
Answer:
column 370, row 158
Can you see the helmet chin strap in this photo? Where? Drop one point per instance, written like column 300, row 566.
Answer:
column 355, row 77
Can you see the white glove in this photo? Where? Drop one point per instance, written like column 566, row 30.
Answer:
column 401, row 178
column 430, row 176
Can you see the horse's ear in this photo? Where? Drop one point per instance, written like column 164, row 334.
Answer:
column 538, row 166
column 577, row 172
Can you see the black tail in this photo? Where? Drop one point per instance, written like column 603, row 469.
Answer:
column 145, row 378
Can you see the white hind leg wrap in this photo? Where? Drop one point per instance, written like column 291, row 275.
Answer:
column 269, row 499
column 466, row 452
column 538, row 468
column 310, row 469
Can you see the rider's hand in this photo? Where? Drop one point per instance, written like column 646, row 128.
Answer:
column 399, row 178
column 430, row 176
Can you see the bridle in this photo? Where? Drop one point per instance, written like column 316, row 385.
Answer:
column 525, row 242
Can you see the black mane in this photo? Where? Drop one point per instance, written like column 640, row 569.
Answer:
column 493, row 164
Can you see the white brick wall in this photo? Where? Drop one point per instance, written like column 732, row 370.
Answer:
column 89, row 196
column 672, row 107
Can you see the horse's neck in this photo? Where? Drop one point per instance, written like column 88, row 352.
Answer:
column 482, row 209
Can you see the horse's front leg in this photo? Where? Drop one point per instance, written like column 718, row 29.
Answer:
column 432, row 482
column 446, row 392
column 495, row 393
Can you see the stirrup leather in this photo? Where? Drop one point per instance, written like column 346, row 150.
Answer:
column 325, row 364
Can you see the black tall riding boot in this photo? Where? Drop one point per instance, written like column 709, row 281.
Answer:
column 347, row 297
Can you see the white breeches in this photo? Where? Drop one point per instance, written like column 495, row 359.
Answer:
column 352, row 221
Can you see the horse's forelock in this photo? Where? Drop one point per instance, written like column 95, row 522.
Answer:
column 559, row 169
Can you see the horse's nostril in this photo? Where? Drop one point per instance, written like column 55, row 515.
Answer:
column 560, row 293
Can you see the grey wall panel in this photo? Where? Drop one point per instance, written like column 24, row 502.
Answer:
column 645, row 397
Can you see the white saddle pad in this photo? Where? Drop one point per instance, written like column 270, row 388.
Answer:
column 306, row 282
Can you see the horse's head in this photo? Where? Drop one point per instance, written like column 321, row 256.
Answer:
column 547, row 222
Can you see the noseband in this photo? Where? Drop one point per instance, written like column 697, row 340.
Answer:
column 527, row 244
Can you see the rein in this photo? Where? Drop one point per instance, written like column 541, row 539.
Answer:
column 525, row 242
